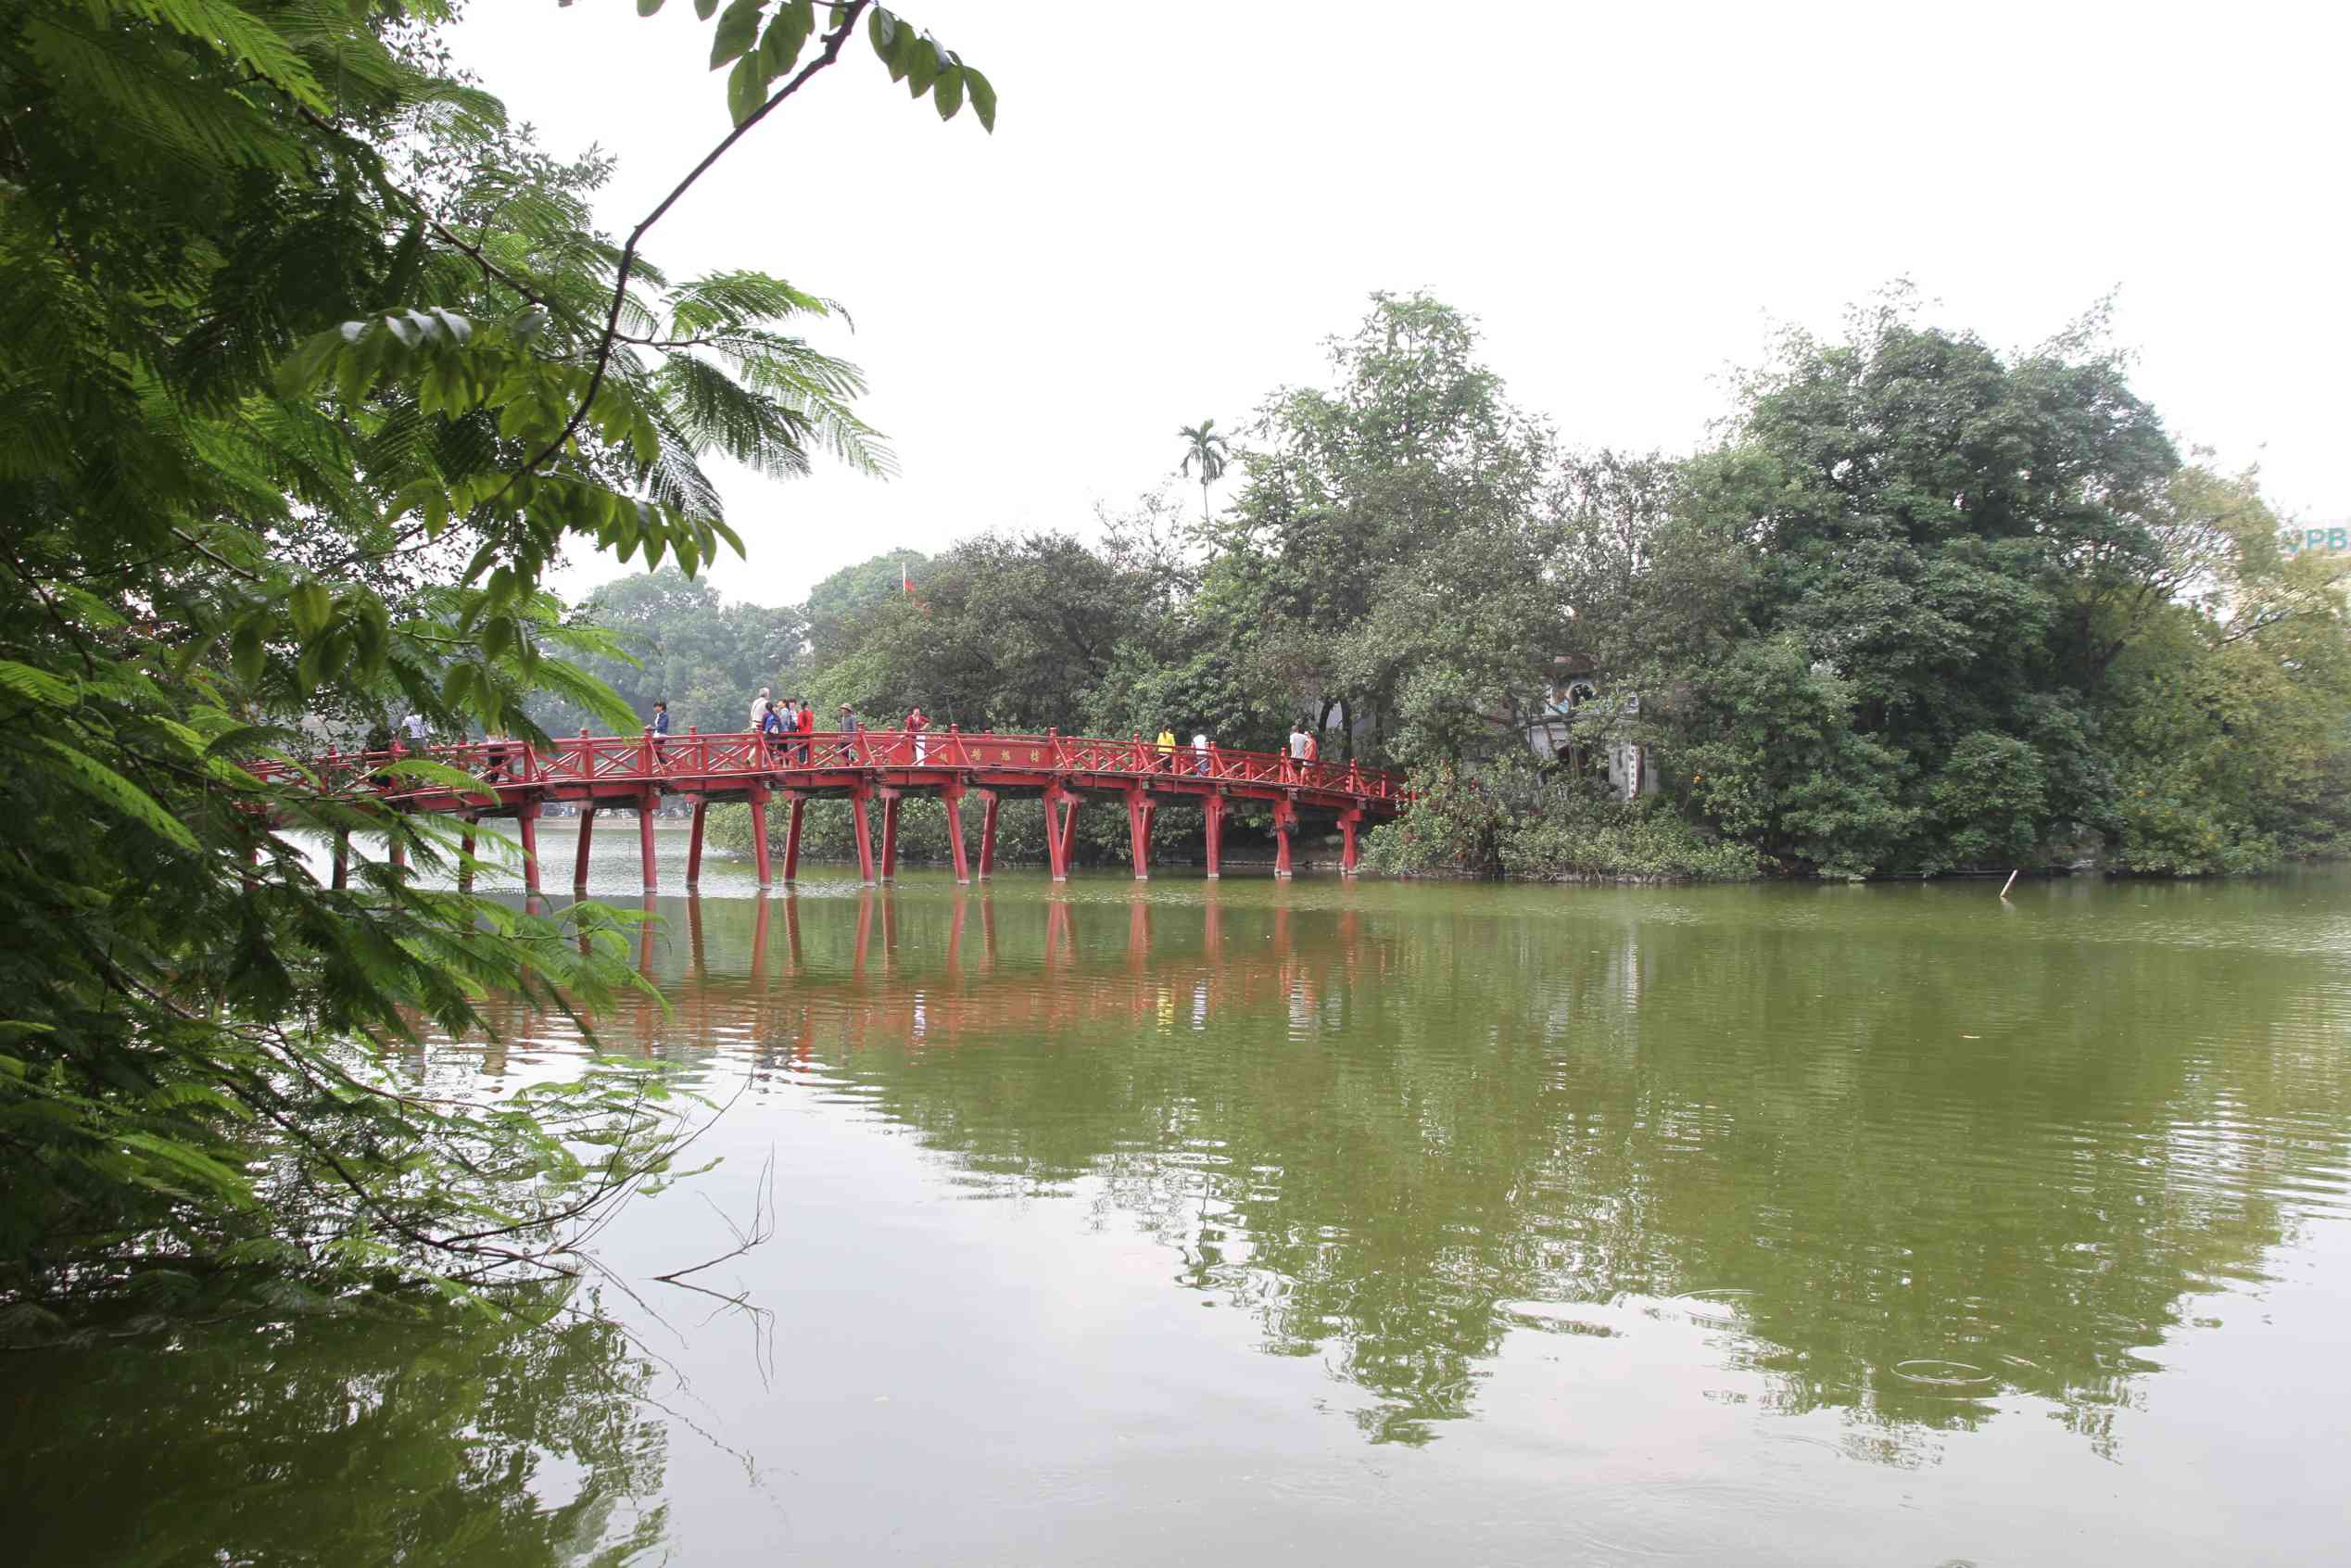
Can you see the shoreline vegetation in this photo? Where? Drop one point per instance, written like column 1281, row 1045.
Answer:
column 1921, row 606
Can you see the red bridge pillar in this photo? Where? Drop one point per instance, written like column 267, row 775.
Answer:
column 465, row 855
column 1213, row 809
column 526, row 823
column 792, row 837
column 1286, row 825
column 645, row 803
column 890, row 803
column 1061, row 829
column 953, row 796
column 1139, row 810
column 586, row 837
column 694, row 845
column 858, row 797
column 1347, row 821
column 988, row 834
column 759, row 834
column 342, row 861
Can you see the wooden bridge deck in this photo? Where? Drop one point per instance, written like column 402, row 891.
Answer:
column 869, row 769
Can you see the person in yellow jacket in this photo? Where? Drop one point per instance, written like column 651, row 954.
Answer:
column 1166, row 750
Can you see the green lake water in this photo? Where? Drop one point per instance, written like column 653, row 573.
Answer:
column 1370, row 1223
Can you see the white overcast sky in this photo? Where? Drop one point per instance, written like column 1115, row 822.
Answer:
column 1181, row 201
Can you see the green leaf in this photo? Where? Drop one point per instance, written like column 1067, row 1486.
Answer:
column 947, row 92
column 39, row 686
column 983, row 98
column 312, row 607
column 746, row 89
column 647, row 8
column 222, row 1180
column 245, row 650
column 881, row 32
column 302, row 371
column 100, row 783
column 457, row 686
column 922, row 65
column 424, row 770
column 319, row 660
column 702, row 8
column 895, row 45
column 738, row 31
column 373, row 623
column 787, row 35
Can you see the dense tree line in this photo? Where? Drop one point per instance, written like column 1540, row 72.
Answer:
column 1923, row 606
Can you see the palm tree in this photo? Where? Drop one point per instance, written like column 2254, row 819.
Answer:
column 1205, row 447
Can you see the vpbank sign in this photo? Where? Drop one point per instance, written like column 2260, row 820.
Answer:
column 2320, row 538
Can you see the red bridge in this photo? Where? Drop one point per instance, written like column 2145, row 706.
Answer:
column 516, row 779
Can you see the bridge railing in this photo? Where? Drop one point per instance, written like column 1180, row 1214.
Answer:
column 618, row 759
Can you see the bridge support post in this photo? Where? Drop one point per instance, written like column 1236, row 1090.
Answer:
column 953, row 796
column 645, row 803
column 1212, row 808
column 395, row 847
column 1347, row 821
column 1061, row 829
column 861, row 830
column 587, row 837
column 759, row 834
column 694, row 845
column 988, row 833
column 465, row 853
column 342, row 861
column 527, row 824
column 1139, row 809
column 791, row 837
column 1285, row 828
column 890, row 804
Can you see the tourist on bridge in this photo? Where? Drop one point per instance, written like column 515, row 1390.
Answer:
column 759, row 707
column 1166, row 750
column 1313, row 747
column 916, row 724
column 849, row 726
column 659, row 730
column 1299, row 742
column 771, row 733
column 415, row 727
column 494, row 756
column 805, row 723
column 1200, row 753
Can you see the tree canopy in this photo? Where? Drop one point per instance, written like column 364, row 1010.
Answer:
column 316, row 366
column 1921, row 605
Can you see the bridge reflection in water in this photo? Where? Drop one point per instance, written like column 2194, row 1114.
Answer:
column 1403, row 1125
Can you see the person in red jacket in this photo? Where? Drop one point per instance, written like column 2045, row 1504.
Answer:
column 916, row 724
column 806, row 726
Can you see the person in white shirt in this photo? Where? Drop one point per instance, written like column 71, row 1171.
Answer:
column 1200, row 754
column 759, row 707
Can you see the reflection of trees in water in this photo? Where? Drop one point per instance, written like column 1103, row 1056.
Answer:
column 1372, row 1128
column 449, row 1440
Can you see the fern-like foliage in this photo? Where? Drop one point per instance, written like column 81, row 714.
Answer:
column 314, row 366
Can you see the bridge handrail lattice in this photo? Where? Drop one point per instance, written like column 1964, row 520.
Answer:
column 695, row 762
